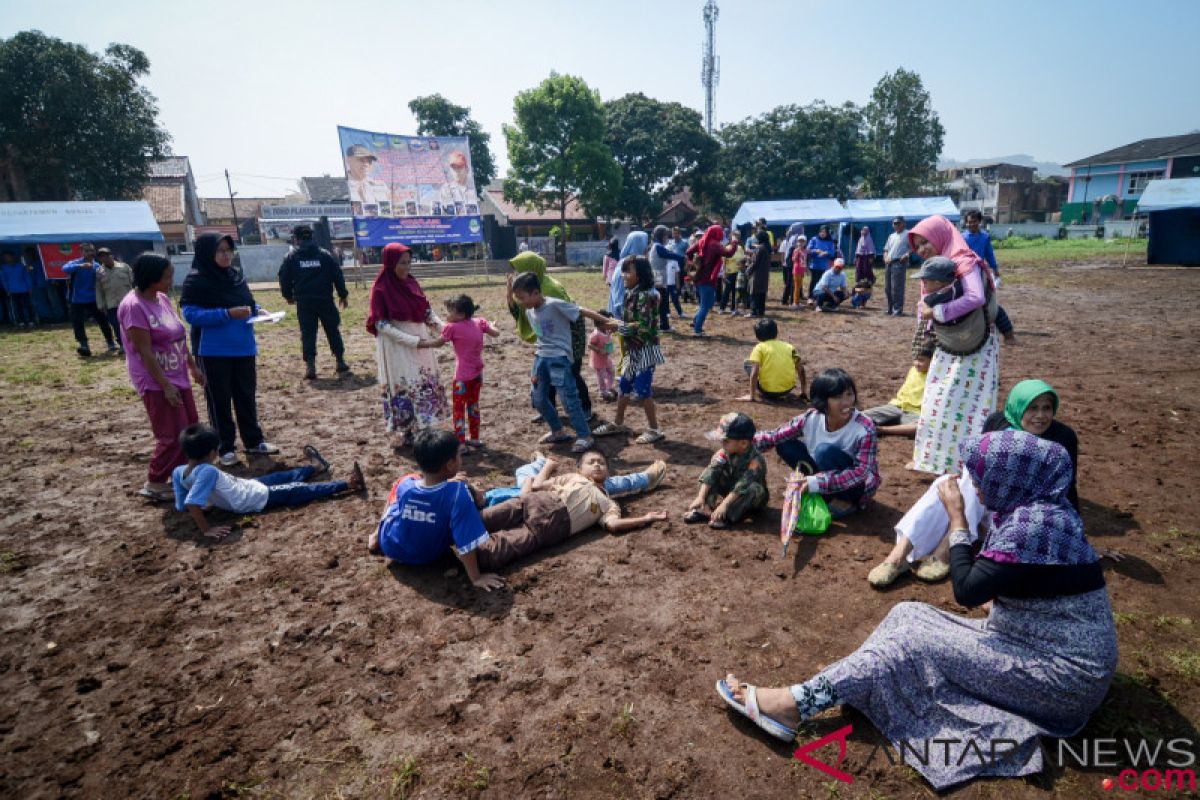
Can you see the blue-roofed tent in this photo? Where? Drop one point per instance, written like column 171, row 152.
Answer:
column 781, row 213
column 877, row 214
column 1174, row 210
column 106, row 220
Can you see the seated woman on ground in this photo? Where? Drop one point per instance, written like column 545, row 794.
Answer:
column 921, row 533
column 1039, row 665
column 832, row 447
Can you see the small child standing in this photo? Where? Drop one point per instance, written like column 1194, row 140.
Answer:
column 465, row 332
column 600, row 344
column 774, row 367
column 200, row 485
column 640, row 350
column 735, row 483
column 799, row 267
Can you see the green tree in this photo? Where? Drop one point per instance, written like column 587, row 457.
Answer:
column 903, row 136
column 75, row 124
column 661, row 147
column 556, row 150
column 437, row 116
column 790, row 152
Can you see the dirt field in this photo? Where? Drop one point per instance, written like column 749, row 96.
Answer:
column 138, row 661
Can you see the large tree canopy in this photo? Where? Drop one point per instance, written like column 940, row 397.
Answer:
column 661, row 147
column 789, row 152
column 903, row 136
column 437, row 116
column 75, row 124
column 556, row 149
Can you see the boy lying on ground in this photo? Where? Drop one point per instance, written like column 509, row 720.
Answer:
column 200, row 484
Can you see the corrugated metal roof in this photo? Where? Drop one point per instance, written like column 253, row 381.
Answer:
column 326, row 190
column 1146, row 150
column 170, row 167
column 166, row 201
column 1164, row 195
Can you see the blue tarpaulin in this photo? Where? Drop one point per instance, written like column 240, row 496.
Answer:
column 1173, row 207
column 913, row 209
column 781, row 213
column 106, row 220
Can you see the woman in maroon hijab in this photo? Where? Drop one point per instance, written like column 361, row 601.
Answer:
column 400, row 320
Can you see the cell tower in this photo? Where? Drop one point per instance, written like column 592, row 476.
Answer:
column 710, row 65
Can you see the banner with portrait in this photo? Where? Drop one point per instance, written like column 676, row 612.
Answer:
column 410, row 189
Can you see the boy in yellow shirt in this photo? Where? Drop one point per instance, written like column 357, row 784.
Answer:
column 774, row 367
column 899, row 417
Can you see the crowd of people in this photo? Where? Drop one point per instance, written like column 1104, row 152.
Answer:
column 1000, row 521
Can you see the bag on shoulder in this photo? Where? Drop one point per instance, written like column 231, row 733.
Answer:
column 968, row 334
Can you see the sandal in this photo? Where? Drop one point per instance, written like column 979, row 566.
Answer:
column 650, row 437
column 932, row 570
column 555, row 437
column 886, row 573
column 356, row 476
column 693, row 516
column 751, row 711
column 610, row 429
column 156, row 496
column 718, row 525
column 583, row 445
column 313, row 454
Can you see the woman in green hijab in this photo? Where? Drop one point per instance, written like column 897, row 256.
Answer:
column 921, row 533
column 530, row 261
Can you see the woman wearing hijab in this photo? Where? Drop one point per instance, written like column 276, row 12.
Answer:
column 822, row 250
column 532, row 262
column 400, row 318
column 759, row 274
column 1038, row 665
column 921, row 533
column 663, row 260
column 960, row 390
column 217, row 303
column 864, row 257
column 611, row 260
column 636, row 244
column 794, row 232
column 711, row 256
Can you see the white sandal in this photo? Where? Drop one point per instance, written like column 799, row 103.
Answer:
column 751, row 711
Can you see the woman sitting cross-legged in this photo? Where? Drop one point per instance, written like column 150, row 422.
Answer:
column 832, row 447
column 921, row 533
column 1038, row 665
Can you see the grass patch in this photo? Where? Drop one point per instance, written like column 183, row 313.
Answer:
column 474, row 777
column 624, row 722
column 405, row 775
column 9, row 561
column 1185, row 663
column 1124, row 617
column 1167, row 621
column 1017, row 251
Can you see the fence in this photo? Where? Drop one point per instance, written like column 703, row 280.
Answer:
column 1029, row 230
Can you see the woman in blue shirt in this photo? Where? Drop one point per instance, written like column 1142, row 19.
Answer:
column 821, row 251
column 217, row 303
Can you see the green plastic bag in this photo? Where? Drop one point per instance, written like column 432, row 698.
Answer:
column 814, row 518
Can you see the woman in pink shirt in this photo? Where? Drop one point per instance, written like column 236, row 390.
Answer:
column 157, row 356
column 465, row 332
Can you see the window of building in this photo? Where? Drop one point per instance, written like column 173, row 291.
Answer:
column 1138, row 180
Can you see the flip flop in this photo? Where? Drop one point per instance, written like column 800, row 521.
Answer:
column 313, row 454
column 356, row 475
column 751, row 711
column 155, row 497
column 719, row 526
column 694, row 516
column 555, row 438
column 610, row 429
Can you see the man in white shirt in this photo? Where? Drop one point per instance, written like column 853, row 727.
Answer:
column 457, row 188
column 896, row 255
column 363, row 188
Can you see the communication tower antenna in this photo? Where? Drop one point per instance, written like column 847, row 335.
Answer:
column 710, row 65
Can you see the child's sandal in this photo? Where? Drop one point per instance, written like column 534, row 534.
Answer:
column 693, row 516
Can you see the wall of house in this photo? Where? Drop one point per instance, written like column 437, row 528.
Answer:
column 1098, row 180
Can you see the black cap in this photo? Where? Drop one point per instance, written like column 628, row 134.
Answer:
column 733, row 425
column 302, row 231
column 938, row 268
column 897, row 219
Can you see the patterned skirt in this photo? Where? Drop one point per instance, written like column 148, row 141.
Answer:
column 413, row 395
column 960, row 392
column 942, row 688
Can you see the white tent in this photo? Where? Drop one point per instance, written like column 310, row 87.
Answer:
column 1167, row 195
column 73, row 222
column 911, row 208
column 785, row 212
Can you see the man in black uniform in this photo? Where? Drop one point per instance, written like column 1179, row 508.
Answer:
column 307, row 278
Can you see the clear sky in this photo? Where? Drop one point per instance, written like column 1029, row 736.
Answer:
column 260, row 87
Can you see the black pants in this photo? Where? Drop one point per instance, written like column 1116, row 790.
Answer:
column 758, row 304
column 664, row 308
column 309, row 313
column 894, row 286
column 79, row 313
column 585, row 398
column 729, row 292
column 22, row 308
column 787, row 286
column 232, row 380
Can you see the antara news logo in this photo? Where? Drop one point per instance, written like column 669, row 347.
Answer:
column 1145, row 765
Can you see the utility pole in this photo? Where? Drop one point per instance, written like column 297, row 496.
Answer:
column 710, row 65
column 237, row 230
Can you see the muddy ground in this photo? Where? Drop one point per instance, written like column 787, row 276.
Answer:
column 139, row 661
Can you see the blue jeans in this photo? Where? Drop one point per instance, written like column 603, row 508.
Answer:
column 673, row 290
column 288, row 488
column 708, row 296
column 859, row 300
column 614, row 485
column 556, row 372
column 826, row 458
column 826, row 299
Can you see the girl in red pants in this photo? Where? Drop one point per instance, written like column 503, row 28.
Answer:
column 465, row 332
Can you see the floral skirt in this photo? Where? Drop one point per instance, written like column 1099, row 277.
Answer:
column 960, row 392
column 414, row 402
